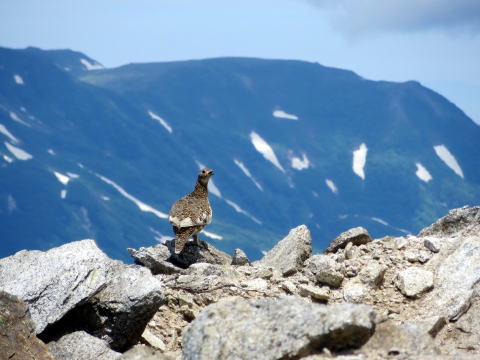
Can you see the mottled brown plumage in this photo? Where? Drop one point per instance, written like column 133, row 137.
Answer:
column 190, row 214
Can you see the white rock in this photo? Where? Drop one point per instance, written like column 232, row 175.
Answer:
column 414, row 281
column 354, row 293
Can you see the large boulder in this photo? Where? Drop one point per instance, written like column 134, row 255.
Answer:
column 81, row 346
column 52, row 283
column 120, row 311
column 17, row 341
column 162, row 258
column 285, row 328
column 456, row 278
column 456, row 220
column 356, row 236
column 290, row 253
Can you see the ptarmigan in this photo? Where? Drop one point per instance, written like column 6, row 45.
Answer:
column 190, row 214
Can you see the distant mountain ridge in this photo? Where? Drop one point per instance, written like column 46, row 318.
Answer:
column 103, row 153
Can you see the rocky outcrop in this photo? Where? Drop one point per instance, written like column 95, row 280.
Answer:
column 423, row 289
column 17, row 338
column 286, row 328
column 290, row 253
column 80, row 345
column 77, row 287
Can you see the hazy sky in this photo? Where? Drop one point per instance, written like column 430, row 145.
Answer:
column 436, row 42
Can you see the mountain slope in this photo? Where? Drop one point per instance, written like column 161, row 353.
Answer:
column 281, row 136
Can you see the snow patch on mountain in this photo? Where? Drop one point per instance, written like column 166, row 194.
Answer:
column 4, row 131
column 162, row 121
column 16, row 118
column 359, row 160
column 20, row 154
column 265, row 149
column 331, row 185
column 380, row 221
column 141, row 205
column 212, row 235
column 158, row 236
column 446, row 156
column 7, row 158
column 241, row 211
column 63, row 194
column 91, row 66
column 283, row 115
column 247, row 173
column 51, row 152
column 18, row 79
column 300, row 164
column 64, row 179
column 423, row 173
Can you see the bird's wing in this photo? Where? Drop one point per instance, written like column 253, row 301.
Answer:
column 190, row 211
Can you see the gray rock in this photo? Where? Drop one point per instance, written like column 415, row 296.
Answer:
column 81, row 346
column 372, row 274
column 455, row 280
column 317, row 293
column 414, row 281
column 52, row 283
column 240, row 258
column 356, row 236
column 192, row 253
column 290, row 253
column 16, row 327
column 283, row 328
column 323, row 269
column 433, row 244
column 392, row 340
column 429, row 325
column 456, row 220
column 354, row 293
column 119, row 313
column 156, row 258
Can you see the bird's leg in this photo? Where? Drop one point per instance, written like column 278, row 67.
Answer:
column 199, row 242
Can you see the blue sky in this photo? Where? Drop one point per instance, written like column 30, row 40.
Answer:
column 436, row 42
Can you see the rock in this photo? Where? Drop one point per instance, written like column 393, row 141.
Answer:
column 429, row 325
column 52, row 283
column 323, row 269
column 290, row 253
column 400, row 243
column 81, row 346
column 414, row 281
column 156, row 258
column 354, row 293
column 411, row 255
column 317, row 293
column 142, row 352
column 424, row 256
column 192, row 253
column 432, row 244
column 372, row 274
column 283, row 328
column 16, row 327
column 240, row 258
column 289, row 287
column 120, row 312
column 356, row 236
column 455, row 280
column 456, row 220
column 153, row 340
column 391, row 340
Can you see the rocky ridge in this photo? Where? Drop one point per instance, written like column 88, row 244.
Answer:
column 412, row 297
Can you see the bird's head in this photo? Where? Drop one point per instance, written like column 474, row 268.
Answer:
column 204, row 175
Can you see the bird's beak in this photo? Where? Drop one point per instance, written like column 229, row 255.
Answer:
column 211, row 173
